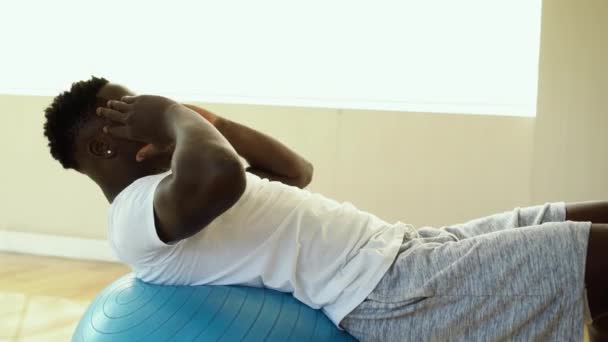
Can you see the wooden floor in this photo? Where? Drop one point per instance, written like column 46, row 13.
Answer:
column 42, row 298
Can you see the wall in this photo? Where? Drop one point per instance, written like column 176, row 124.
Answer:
column 37, row 195
column 418, row 168
column 571, row 138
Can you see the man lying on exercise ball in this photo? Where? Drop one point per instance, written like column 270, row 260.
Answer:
column 184, row 210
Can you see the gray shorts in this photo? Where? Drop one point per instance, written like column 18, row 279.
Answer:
column 515, row 276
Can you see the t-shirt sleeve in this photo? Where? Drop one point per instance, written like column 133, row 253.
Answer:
column 131, row 228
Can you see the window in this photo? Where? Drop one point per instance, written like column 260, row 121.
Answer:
column 465, row 56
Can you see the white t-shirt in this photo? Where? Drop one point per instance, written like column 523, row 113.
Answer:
column 329, row 255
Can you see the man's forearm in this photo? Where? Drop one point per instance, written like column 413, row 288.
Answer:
column 267, row 157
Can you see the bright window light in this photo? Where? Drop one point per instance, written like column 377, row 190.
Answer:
column 465, row 56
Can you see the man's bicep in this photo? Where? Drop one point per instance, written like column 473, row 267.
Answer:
column 166, row 212
column 182, row 210
column 132, row 227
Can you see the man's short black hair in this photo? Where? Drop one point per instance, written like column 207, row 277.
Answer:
column 68, row 112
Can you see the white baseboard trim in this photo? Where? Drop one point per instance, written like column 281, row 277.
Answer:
column 55, row 245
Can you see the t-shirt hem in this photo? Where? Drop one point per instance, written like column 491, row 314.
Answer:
column 342, row 307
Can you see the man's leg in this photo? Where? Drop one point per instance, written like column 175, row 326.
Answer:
column 596, row 271
column 596, row 212
column 522, row 284
column 598, row 332
column 516, row 218
column 596, row 279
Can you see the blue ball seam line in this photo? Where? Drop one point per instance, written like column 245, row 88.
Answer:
column 194, row 314
column 276, row 319
column 133, row 326
column 314, row 327
column 136, row 325
column 214, row 315
column 130, row 300
column 257, row 315
column 133, row 310
column 335, row 334
column 100, row 300
column 96, row 302
column 295, row 323
column 235, row 316
column 111, row 293
column 169, row 318
column 117, row 289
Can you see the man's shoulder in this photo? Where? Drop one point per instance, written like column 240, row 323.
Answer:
column 131, row 226
column 136, row 193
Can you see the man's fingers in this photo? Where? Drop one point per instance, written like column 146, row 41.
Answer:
column 128, row 99
column 119, row 106
column 146, row 152
column 151, row 151
column 112, row 114
column 122, row 132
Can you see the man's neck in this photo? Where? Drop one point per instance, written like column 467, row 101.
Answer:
column 112, row 187
column 112, row 190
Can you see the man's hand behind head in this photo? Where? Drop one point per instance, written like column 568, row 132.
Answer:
column 144, row 118
column 151, row 151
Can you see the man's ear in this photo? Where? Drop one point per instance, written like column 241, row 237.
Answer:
column 102, row 147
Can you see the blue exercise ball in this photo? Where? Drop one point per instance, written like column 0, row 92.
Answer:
column 131, row 310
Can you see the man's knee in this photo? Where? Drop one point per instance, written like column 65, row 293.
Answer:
column 598, row 331
column 596, row 273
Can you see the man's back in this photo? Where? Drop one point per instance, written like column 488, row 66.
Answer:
column 330, row 255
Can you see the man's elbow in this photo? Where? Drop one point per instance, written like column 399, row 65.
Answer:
column 224, row 185
column 220, row 181
column 305, row 177
column 231, row 176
